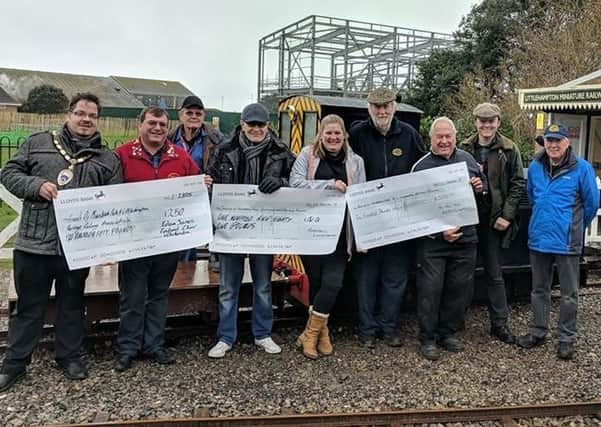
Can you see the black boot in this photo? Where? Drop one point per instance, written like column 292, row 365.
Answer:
column 73, row 369
column 9, row 376
column 503, row 334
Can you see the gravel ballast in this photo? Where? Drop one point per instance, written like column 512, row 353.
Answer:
column 250, row 382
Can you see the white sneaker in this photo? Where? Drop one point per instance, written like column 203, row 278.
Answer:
column 219, row 350
column 268, row 345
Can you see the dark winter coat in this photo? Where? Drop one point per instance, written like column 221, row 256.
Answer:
column 506, row 183
column 38, row 161
column 224, row 164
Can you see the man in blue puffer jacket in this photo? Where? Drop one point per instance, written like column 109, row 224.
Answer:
column 564, row 198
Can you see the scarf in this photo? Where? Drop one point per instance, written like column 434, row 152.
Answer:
column 333, row 166
column 252, row 153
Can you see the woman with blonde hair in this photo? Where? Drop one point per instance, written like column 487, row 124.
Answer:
column 327, row 164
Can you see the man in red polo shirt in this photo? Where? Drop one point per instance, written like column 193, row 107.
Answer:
column 144, row 282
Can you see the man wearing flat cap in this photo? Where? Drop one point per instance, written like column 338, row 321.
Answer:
column 501, row 164
column 198, row 139
column 253, row 155
column 389, row 147
column 564, row 198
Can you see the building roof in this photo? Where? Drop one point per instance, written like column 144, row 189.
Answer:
column 337, row 101
column 6, row 99
column 583, row 93
column 18, row 83
column 152, row 87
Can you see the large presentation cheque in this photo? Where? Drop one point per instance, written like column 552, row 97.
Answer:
column 407, row 206
column 118, row 222
column 289, row 221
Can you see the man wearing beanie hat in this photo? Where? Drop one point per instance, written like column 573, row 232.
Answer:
column 564, row 197
column 388, row 147
column 253, row 155
column 501, row 164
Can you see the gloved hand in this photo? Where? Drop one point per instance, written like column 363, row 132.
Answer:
column 269, row 184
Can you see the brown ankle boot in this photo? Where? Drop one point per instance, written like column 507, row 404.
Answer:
column 324, row 344
column 308, row 339
column 302, row 335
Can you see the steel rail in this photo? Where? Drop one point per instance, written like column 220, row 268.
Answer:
column 504, row 414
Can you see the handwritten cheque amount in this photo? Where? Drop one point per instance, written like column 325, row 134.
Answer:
column 289, row 221
column 125, row 221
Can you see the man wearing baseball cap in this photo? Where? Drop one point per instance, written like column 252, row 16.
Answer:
column 253, row 155
column 388, row 147
column 198, row 139
column 193, row 134
column 564, row 198
column 501, row 164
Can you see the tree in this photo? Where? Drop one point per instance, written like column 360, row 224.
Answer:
column 438, row 78
column 564, row 48
column 45, row 99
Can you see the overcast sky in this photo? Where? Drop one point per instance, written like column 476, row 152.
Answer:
column 211, row 47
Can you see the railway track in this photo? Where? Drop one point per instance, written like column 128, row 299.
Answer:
column 506, row 415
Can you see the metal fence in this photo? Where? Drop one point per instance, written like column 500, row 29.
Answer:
column 8, row 147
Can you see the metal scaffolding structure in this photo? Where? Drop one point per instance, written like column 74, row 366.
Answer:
column 321, row 55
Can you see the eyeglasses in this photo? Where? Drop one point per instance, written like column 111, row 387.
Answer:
column 194, row 113
column 256, row 124
column 81, row 114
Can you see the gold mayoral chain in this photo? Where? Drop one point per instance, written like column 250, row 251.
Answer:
column 66, row 175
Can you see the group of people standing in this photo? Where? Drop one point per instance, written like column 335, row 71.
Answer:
column 561, row 189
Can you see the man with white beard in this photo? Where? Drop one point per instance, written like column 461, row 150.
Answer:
column 388, row 147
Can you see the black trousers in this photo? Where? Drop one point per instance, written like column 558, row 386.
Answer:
column 34, row 275
column 144, row 290
column 489, row 246
column 445, row 278
column 326, row 276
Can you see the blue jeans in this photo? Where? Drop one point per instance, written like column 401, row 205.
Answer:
column 144, row 290
column 381, row 272
column 231, row 273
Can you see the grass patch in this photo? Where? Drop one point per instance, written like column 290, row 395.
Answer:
column 7, row 215
column 6, row 264
column 11, row 141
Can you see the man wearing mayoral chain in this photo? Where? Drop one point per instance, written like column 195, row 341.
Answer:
column 45, row 164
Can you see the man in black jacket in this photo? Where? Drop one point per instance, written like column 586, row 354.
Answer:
column 255, row 156
column 46, row 163
column 446, row 260
column 501, row 165
column 388, row 147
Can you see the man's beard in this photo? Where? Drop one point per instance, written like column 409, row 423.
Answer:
column 383, row 124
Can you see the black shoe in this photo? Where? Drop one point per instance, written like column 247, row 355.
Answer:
column 10, row 376
column 451, row 344
column 503, row 334
column 566, row 350
column 530, row 341
column 393, row 339
column 73, row 369
column 430, row 350
column 162, row 357
column 122, row 362
column 368, row 342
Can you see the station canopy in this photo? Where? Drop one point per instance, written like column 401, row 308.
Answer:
column 583, row 93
